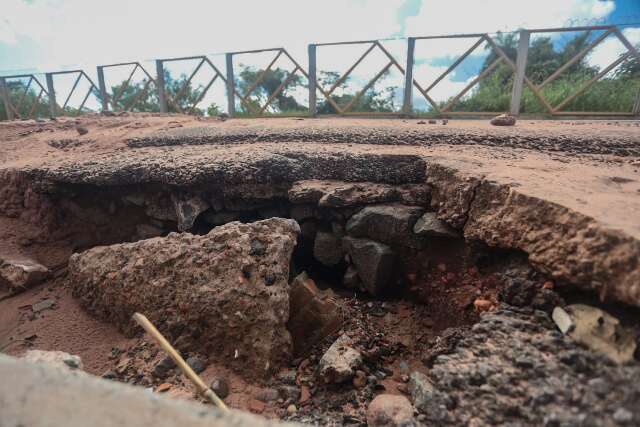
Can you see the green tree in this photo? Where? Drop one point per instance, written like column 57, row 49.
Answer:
column 25, row 102
column 372, row 100
column 262, row 89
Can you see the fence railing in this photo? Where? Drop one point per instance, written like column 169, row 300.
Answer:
column 15, row 109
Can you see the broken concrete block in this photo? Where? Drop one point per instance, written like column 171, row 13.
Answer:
column 597, row 330
column 340, row 362
column 224, row 294
column 314, row 314
column 58, row 359
column 374, row 263
column 429, row 225
column 390, row 224
column 327, row 248
column 18, row 274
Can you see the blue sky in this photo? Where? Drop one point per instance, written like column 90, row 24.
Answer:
column 39, row 35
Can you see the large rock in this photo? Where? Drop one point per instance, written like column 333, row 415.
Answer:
column 327, row 248
column 339, row 194
column 40, row 396
column 314, row 314
column 374, row 263
column 388, row 410
column 391, row 224
column 503, row 120
column 225, row 293
column 18, row 274
column 340, row 361
column 429, row 225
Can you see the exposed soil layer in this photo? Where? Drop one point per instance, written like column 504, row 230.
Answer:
column 416, row 232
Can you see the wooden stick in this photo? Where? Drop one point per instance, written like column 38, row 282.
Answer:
column 168, row 348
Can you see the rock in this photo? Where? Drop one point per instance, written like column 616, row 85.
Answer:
column 340, row 194
column 503, row 120
column 268, row 395
column 220, row 218
column 289, row 392
column 623, row 416
column 314, row 314
column 429, row 225
column 340, row 362
column 351, row 279
column 426, row 398
column 43, row 305
column 597, row 330
column 162, row 388
column 414, row 194
column 18, row 274
column 194, row 281
column 82, row 130
column 433, row 121
column 197, row 364
column 391, row 224
column 256, row 406
column 387, row 410
column 162, row 368
column 58, row 359
column 482, row 305
column 41, row 396
column 359, row 379
column 187, row 208
column 160, row 206
column 291, row 409
column 374, row 263
column 220, row 387
column 327, row 248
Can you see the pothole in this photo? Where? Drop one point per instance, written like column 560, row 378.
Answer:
column 265, row 281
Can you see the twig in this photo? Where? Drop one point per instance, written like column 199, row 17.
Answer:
column 168, row 348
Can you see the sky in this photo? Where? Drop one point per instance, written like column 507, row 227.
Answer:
column 39, row 35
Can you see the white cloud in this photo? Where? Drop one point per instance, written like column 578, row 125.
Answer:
column 611, row 48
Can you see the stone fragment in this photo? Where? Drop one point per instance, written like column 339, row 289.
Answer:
column 503, row 120
column 43, row 305
column 339, row 194
column 374, row 263
column 58, row 359
column 196, row 363
column 391, row 224
column 327, row 248
column 18, row 274
column 162, row 368
column 291, row 409
column 314, row 314
column 623, row 416
column 220, row 387
column 340, row 361
column 414, row 194
column 426, row 398
column 201, row 283
column 187, row 208
column 597, row 330
column 351, row 279
column 82, row 130
column 387, row 410
column 429, row 225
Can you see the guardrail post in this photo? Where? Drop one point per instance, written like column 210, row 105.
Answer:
column 4, row 93
column 313, row 107
column 521, row 65
column 231, row 86
column 636, row 105
column 162, row 96
column 103, row 89
column 53, row 110
column 407, row 99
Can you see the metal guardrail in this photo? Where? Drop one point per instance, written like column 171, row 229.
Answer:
column 520, row 81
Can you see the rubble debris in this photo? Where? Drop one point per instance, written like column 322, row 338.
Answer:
column 390, row 224
column 187, row 208
column 387, row 410
column 188, row 286
column 197, row 364
column 82, row 130
column 503, row 120
column 43, row 305
column 429, row 225
column 596, row 329
column 340, row 361
column 220, row 387
column 58, row 359
column 373, row 261
column 426, row 398
column 18, row 274
column 162, row 368
column 327, row 248
column 314, row 314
